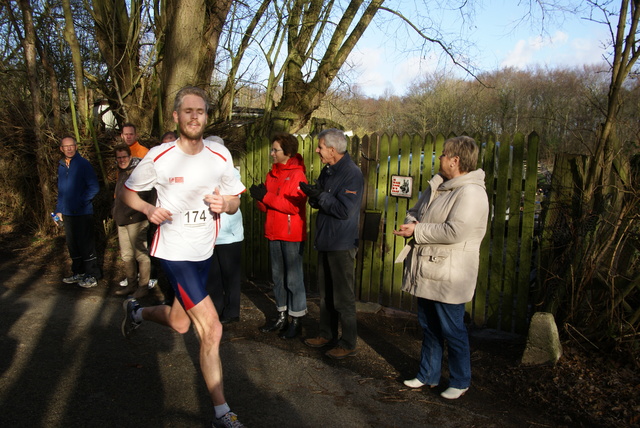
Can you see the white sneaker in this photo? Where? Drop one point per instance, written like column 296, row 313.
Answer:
column 152, row 283
column 413, row 383
column 124, row 282
column 453, row 393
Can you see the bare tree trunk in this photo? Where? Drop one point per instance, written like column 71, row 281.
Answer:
column 300, row 97
column 72, row 41
column 56, row 108
column 188, row 55
column 118, row 36
column 29, row 46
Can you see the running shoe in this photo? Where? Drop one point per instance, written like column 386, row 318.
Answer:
column 228, row 420
column 88, row 282
column 128, row 323
column 73, row 279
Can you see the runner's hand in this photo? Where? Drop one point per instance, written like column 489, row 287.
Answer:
column 217, row 202
column 158, row 215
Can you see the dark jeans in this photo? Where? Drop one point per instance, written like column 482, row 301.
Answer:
column 336, row 277
column 80, row 236
column 223, row 284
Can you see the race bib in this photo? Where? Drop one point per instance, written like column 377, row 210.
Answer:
column 193, row 218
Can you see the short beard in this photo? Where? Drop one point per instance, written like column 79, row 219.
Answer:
column 192, row 136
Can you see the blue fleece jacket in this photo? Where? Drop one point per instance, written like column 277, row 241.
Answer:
column 77, row 186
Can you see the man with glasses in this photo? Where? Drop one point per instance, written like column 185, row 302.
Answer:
column 132, row 230
column 77, row 186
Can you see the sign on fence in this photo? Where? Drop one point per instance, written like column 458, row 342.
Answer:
column 401, row 186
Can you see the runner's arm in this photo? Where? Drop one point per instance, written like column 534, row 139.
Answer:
column 156, row 215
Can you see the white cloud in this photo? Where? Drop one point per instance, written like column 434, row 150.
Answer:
column 521, row 54
column 369, row 70
column 558, row 50
column 375, row 74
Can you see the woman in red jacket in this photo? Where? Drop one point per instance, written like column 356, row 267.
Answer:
column 286, row 229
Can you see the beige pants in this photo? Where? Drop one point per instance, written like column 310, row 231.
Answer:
column 134, row 252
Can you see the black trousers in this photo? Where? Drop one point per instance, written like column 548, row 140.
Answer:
column 223, row 284
column 80, row 236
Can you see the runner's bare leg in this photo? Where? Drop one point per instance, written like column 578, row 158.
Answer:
column 209, row 330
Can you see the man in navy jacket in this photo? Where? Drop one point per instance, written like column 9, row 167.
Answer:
column 338, row 197
column 77, row 186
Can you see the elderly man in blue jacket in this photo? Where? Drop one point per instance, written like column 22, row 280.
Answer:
column 77, row 186
column 338, row 197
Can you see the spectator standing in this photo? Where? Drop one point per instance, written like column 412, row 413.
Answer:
column 286, row 229
column 338, row 197
column 77, row 186
column 129, row 136
column 441, row 267
column 195, row 181
column 226, row 270
column 132, row 229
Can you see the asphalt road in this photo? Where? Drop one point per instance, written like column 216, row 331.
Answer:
column 64, row 363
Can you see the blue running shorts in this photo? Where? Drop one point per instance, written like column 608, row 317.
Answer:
column 188, row 279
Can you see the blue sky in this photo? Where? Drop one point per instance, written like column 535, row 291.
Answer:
column 389, row 60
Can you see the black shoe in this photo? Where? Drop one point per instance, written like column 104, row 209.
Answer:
column 295, row 328
column 280, row 323
column 229, row 320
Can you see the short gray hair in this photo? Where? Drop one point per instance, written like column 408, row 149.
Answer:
column 465, row 148
column 334, row 138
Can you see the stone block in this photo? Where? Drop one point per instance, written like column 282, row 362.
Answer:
column 543, row 342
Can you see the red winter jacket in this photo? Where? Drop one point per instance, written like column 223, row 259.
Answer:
column 284, row 203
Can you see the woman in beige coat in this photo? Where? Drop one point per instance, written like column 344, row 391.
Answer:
column 441, row 267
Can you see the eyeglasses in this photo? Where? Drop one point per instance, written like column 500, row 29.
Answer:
column 122, row 157
column 275, row 150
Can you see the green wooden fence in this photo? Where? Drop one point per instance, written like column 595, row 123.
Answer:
column 507, row 257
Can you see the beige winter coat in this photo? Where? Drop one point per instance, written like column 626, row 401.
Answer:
column 442, row 263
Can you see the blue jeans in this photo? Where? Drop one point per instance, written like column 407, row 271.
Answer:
column 288, row 278
column 440, row 321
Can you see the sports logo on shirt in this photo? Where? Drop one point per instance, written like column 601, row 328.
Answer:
column 351, row 192
column 176, row 180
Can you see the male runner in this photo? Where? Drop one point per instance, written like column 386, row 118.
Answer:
column 195, row 181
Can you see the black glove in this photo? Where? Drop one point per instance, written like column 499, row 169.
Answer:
column 313, row 191
column 258, row 192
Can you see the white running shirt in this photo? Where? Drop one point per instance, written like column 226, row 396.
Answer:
column 182, row 181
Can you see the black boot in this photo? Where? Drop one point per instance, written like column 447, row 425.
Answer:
column 295, row 328
column 280, row 323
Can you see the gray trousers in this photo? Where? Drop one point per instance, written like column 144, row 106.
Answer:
column 336, row 278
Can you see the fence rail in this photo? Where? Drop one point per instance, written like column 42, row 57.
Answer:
column 507, row 253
